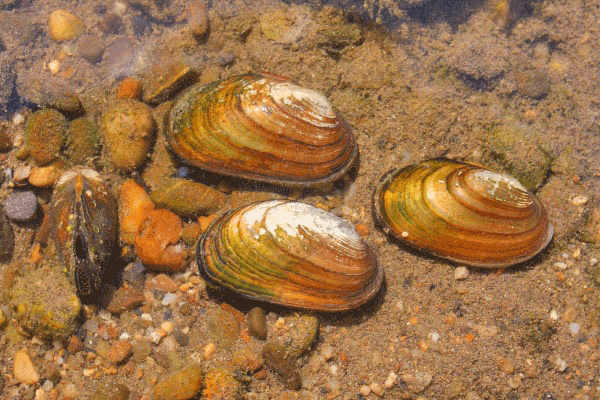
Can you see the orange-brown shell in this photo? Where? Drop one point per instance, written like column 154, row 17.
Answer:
column 261, row 127
column 462, row 212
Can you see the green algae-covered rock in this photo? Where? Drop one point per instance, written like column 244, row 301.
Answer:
column 180, row 385
column 187, row 198
column 45, row 134
column 45, row 303
column 83, row 141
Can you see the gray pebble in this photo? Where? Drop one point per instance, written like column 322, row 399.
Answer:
column 21, row 206
column 91, row 48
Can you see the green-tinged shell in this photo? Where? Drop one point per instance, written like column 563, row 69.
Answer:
column 83, row 215
column 290, row 253
column 261, row 127
column 462, row 212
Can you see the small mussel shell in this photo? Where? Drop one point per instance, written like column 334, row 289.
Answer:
column 290, row 253
column 263, row 128
column 462, row 212
column 84, row 226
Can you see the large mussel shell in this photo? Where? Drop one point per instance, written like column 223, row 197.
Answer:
column 462, row 212
column 84, row 226
column 290, row 253
column 263, row 128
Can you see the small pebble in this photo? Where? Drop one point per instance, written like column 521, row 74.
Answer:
column 560, row 364
column 580, row 200
column 461, row 273
column 365, row 390
column 327, row 351
column 574, row 328
column 377, row 389
column 257, row 323
column 390, row 380
column 553, row 315
column 21, row 206
column 24, row 370
column 91, row 48
column 209, row 350
column 65, row 25
column 169, row 299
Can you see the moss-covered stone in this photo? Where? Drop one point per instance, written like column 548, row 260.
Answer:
column 180, row 385
column 187, row 198
column 45, row 135
column 45, row 303
column 83, row 141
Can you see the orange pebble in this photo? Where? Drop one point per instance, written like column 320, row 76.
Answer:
column 129, row 88
column 470, row 337
column 362, row 229
column 156, row 242
column 205, row 221
column 134, row 203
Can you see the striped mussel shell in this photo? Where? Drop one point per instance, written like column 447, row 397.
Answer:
column 263, row 128
column 462, row 212
column 84, row 226
column 292, row 254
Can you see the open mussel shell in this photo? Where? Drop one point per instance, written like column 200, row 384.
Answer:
column 462, row 212
column 84, row 226
column 263, row 128
column 292, row 254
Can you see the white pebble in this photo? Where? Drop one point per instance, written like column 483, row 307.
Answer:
column 574, row 328
column 553, row 315
column 390, row 380
column 169, row 299
column 461, row 273
column 124, row 336
column 54, row 67
column 333, row 369
column 580, row 200
column 327, row 351
column 561, row 365
column 154, row 337
column 146, row 317
column 433, row 336
column 560, row 265
column 105, row 315
column 18, row 119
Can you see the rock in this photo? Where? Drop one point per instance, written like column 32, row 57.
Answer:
column 49, row 91
column 157, row 242
column 222, row 328
column 120, row 351
column 417, row 381
column 45, row 134
column 461, row 273
column 46, row 176
column 83, row 141
column 187, row 198
column 198, row 19
column 24, row 370
column 257, row 323
column 7, row 238
column 134, row 204
column 181, row 385
column 336, row 31
column 163, row 283
column 125, row 299
column 296, row 334
column 91, row 47
column 129, row 88
column 121, row 58
column 111, row 392
column 278, row 360
column 285, row 25
column 21, row 206
column 165, row 78
column 64, row 25
column 129, row 131
column 245, row 359
column 220, row 384
column 45, row 303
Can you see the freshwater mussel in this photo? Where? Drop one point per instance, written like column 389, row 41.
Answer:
column 261, row 127
column 462, row 212
column 290, row 253
column 84, row 226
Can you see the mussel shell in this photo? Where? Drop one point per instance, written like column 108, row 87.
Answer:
column 292, row 254
column 263, row 128
column 462, row 212
column 83, row 214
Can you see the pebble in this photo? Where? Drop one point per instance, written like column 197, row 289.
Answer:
column 257, row 323
column 129, row 88
column 164, row 283
column 278, row 360
column 574, row 328
column 169, row 299
column 183, row 384
column 461, row 273
column 24, row 370
column 580, row 200
column 209, row 350
column 222, row 328
column 45, row 135
column 198, row 19
column 45, row 176
column 506, row 365
column 134, row 203
column 391, row 380
column 560, row 365
column 91, row 47
column 125, row 299
column 21, row 206
column 64, row 25
column 377, row 389
column 121, row 58
column 365, row 390
column 120, row 351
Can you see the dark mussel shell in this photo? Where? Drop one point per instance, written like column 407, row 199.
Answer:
column 84, row 226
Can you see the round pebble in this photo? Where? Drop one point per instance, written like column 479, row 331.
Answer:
column 21, row 206
column 91, row 47
column 461, row 273
column 65, row 25
column 257, row 323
